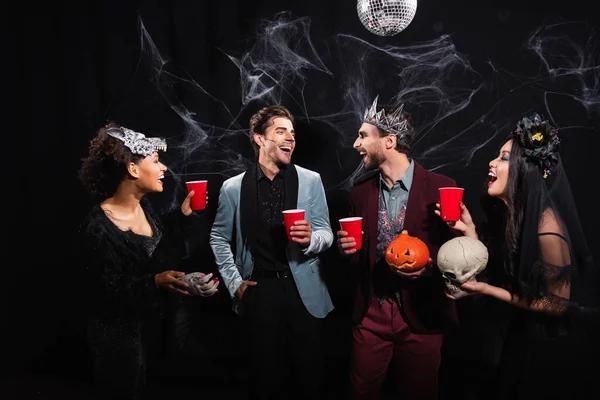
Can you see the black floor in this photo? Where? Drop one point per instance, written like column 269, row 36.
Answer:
column 201, row 356
column 202, row 360
column 214, row 379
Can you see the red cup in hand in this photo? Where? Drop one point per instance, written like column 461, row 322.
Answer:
column 289, row 217
column 198, row 200
column 353, row 225
column 450, row 199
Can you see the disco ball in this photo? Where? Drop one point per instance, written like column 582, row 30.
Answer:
column 386, row 17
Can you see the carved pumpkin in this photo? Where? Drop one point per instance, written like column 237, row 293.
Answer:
column 407, row 253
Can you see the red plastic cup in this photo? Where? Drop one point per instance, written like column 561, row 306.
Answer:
column 289, row 217
column 353, row 225
column 198, row 201
column 450, row 198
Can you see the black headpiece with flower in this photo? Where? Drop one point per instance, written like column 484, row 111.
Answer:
column 540, row 142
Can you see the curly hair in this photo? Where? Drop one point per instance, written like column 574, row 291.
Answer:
column 105, row 167
column 263, row 119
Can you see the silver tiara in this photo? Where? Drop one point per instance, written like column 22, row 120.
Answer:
column 137, row 142
column 394, row 123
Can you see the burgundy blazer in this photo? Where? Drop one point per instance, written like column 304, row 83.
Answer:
column 425, row 307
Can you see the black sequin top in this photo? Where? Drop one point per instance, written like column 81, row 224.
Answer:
column 118, row 267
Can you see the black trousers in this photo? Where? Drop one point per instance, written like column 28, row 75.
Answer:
column 286, row 357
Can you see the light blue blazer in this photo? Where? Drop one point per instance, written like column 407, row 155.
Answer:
column 304, row 262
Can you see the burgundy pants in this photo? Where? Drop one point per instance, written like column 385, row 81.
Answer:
column 383, row 337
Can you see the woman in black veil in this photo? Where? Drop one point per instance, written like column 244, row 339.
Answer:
column 540, row 286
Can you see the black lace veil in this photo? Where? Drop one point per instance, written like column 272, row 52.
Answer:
column 547, row 258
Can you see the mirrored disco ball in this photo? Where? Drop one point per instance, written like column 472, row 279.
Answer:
column 386, row 17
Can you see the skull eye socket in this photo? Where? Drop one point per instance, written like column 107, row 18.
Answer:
column 450, row 275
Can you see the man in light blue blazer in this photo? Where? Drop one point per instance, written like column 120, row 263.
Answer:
column 275, row 283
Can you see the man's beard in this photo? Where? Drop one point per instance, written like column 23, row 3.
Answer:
column 374, row 160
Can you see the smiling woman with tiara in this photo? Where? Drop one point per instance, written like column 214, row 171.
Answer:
column 127, row 255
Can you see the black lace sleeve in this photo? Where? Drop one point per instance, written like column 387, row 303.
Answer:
column 551, row 275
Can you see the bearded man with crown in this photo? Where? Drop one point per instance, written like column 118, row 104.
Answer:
column 398, row 318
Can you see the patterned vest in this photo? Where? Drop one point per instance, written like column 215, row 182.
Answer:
column 387, row 230
column 385, row 282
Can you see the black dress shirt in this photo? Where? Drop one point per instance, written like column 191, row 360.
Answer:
column 271, row 237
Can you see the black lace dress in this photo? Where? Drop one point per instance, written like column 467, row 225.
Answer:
column 121, row 298
column 547, row 356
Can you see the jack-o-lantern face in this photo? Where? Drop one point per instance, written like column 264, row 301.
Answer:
column 407, row 253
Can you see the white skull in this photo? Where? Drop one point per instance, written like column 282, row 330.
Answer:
column 459, row 260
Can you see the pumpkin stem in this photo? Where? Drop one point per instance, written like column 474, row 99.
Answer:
column 405, row 232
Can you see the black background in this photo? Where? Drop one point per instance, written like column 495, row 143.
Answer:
column 83, row 63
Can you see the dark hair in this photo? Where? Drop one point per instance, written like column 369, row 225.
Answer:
column 263, row 119
column 105, row 167
column 402, row 143
column 538, row 188
column 527, row 198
